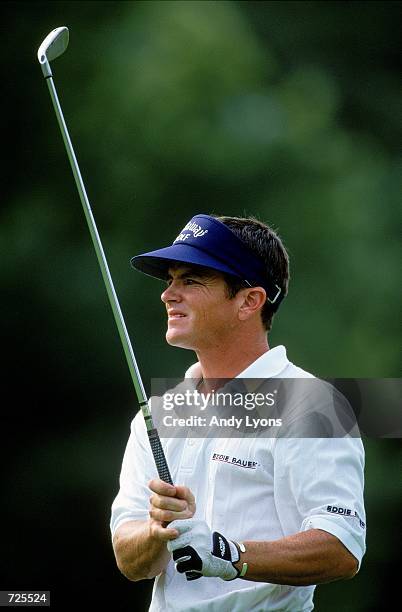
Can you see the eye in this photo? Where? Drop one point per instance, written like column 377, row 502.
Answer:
column 190, row 281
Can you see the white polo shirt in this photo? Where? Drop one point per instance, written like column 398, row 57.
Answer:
column 294, row 484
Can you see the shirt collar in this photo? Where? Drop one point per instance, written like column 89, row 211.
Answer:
column 268, row 365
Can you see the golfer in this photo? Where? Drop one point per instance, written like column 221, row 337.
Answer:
column 252, row 523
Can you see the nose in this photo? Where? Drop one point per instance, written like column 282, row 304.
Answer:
column 171, row 294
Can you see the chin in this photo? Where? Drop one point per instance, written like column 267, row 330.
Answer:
column 179, row 340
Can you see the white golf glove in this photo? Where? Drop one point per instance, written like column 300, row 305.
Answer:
column 199, row 552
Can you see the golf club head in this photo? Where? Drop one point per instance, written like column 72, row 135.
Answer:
column 54, row 45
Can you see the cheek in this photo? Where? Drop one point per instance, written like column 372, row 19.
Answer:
column 219, row 315
column 200, row 315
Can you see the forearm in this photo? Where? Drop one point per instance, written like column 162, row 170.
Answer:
column 139, row 555
column 140, row 546
column 310, row 557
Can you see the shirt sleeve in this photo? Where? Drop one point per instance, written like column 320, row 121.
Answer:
column 319, row 484
column 138, row 468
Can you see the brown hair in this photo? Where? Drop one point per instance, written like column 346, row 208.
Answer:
column 266, row 244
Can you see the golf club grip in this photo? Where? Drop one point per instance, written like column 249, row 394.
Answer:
column 159, row 456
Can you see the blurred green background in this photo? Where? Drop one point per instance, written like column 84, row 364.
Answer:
column 290, row 111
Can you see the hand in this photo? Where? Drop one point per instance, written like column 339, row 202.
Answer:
column 169, row 503
column 199, row 552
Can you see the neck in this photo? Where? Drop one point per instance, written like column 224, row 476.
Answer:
column 227, row 361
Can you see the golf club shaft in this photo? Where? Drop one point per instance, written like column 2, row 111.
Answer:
column 156, row 446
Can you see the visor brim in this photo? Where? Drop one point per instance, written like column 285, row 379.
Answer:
column 157, row 263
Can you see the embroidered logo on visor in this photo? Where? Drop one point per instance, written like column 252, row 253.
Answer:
column 191, row 228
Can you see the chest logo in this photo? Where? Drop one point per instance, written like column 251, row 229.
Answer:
column 238, row 461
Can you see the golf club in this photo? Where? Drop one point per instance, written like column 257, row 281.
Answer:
column 53, row 46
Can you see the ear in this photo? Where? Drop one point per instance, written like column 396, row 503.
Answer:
column 252, row 300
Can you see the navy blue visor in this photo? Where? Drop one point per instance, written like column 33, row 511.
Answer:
column 206, row 241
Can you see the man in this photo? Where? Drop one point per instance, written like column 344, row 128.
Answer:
column 226, row 537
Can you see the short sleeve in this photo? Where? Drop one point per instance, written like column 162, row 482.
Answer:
column 319, row 484
column 138, row 468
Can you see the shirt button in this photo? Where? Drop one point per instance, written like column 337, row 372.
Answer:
column 191, row 442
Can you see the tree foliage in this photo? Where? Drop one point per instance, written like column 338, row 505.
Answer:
column 289, row 111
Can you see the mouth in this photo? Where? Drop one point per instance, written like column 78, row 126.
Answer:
column 172, row 316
